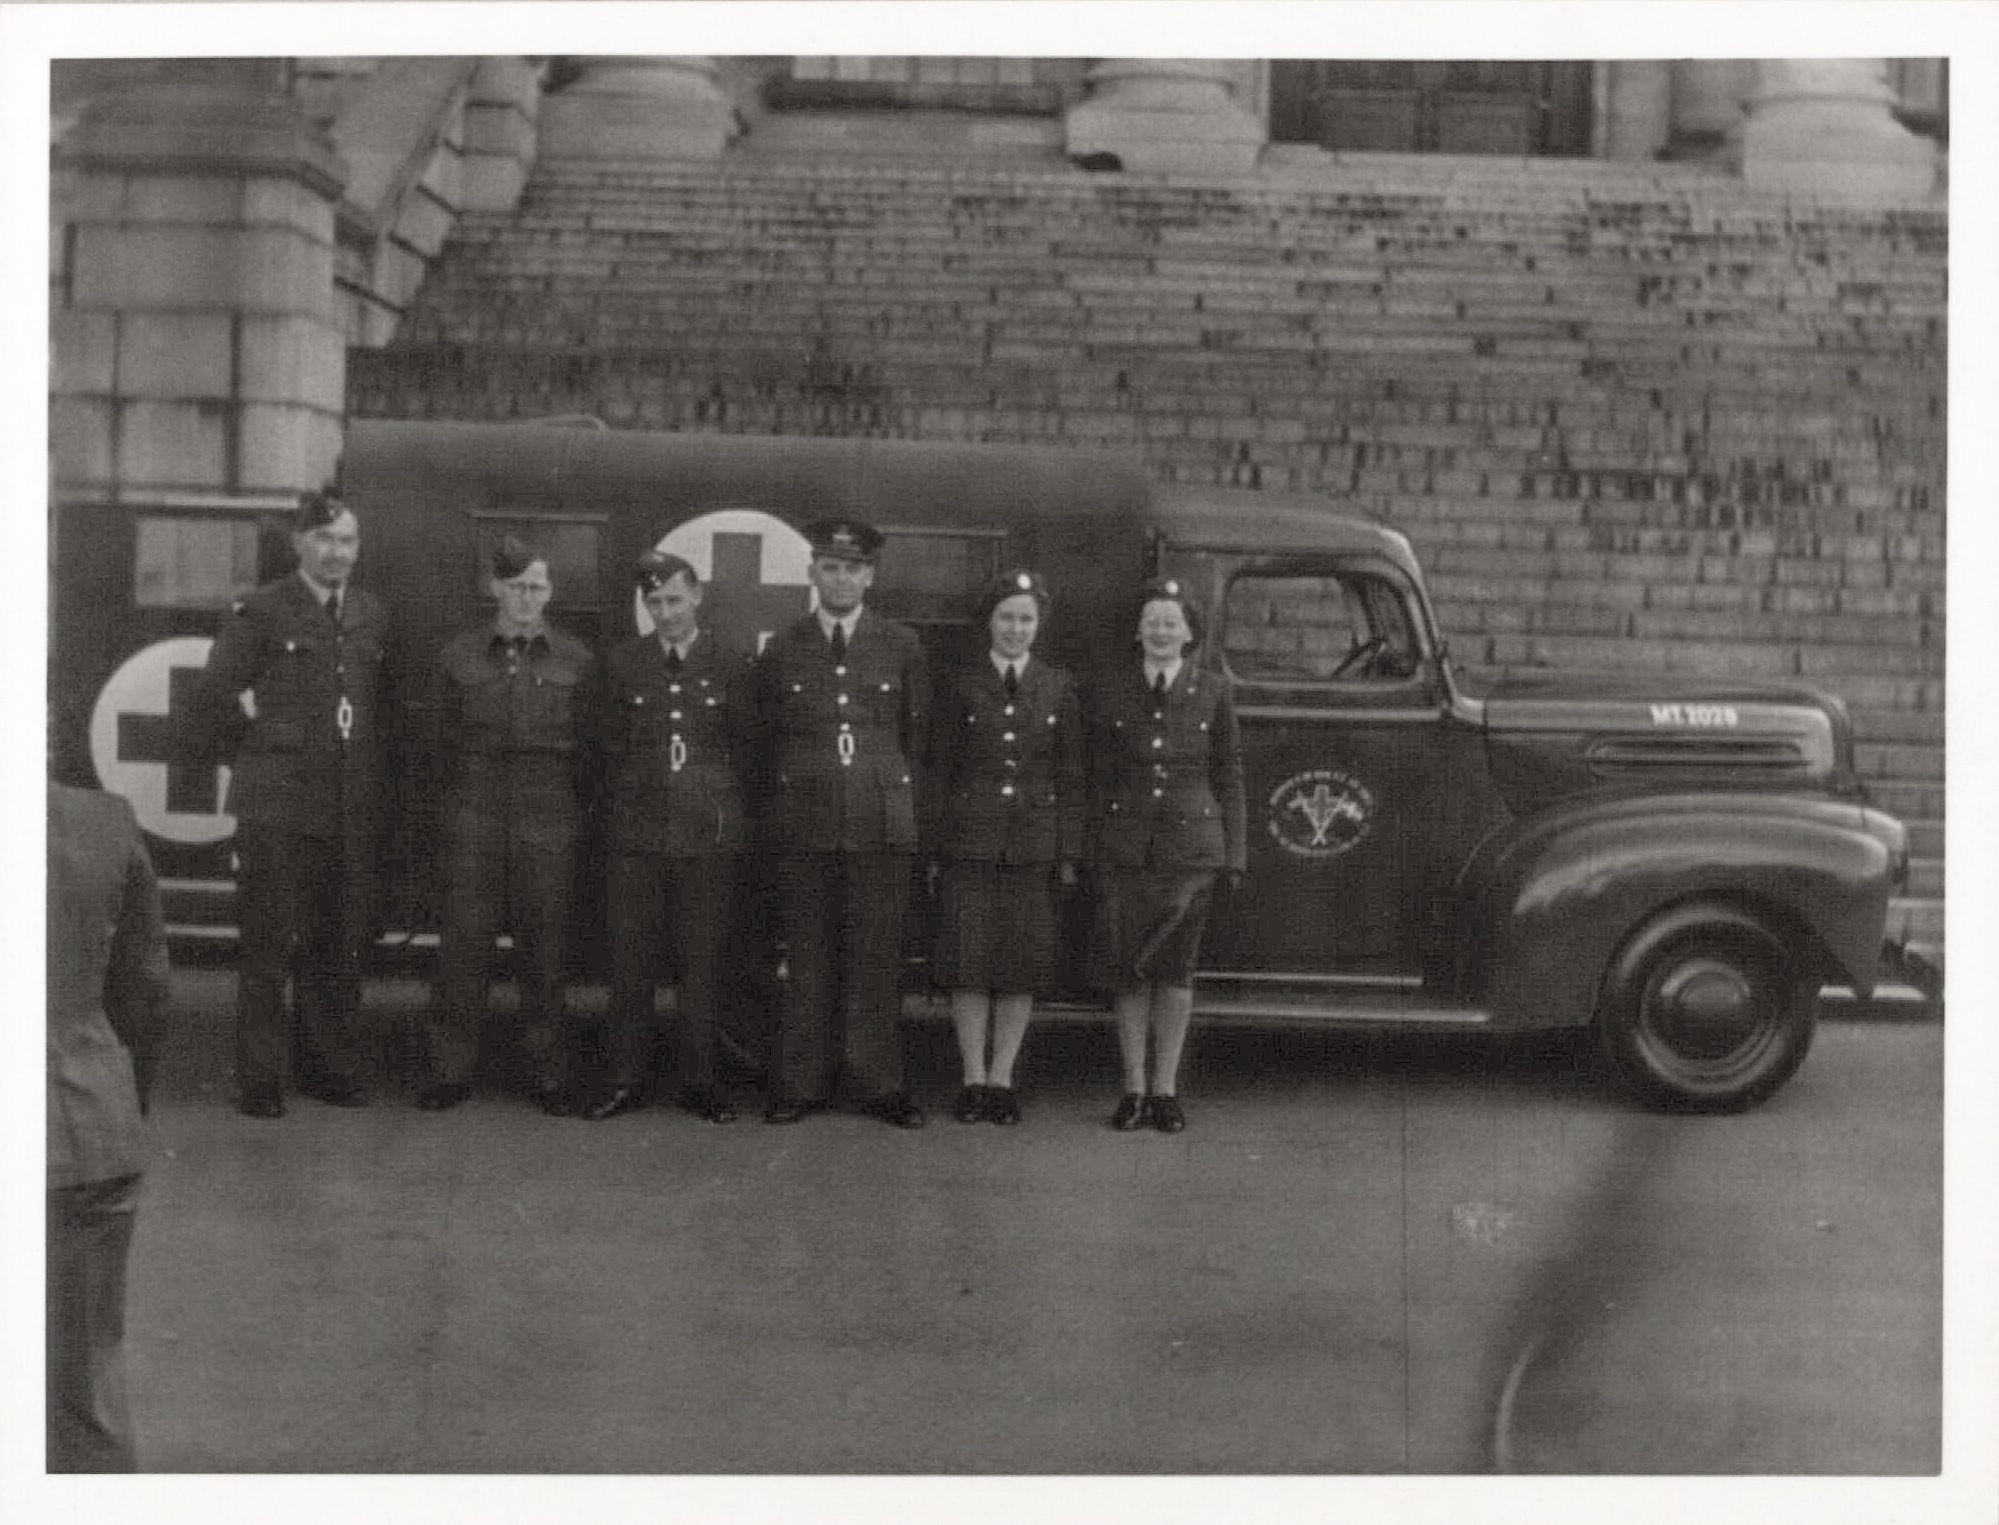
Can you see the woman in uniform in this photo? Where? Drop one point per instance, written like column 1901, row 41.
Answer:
column 1008, row 771
column 1166, row 817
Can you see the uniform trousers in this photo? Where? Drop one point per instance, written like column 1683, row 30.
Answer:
column 303, row 916
column 840, row 915
column 89, row 1244
column 491, row 883
column 682, row 904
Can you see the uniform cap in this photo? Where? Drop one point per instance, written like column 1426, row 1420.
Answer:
column 1009, row 583
column 655, row 569
column 316, row 509
column 848, row 539
column 513, row 556
column 1172, row 589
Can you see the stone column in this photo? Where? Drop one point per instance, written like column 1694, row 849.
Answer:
column 1153, row 114
column 1824, row 125
column 502, row 113
column 639, row 108
column 1709, row 98
column 1631, row 109
column 195, row 341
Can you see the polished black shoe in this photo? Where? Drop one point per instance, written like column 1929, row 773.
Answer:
column 267, row 1104
column 1166, row 1114
column 554, row 1099
column 334, row 1090
column 970, row 1107
column 898, row 1111
column 713, row 1105
column 613, row 1102
column 1002, row 1106
column 443, row 1097
column 1133, row 1112
column 784, row 1110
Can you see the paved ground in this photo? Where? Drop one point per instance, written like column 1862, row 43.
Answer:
column 1408, row 1256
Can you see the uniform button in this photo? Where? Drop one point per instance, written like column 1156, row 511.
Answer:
column 840, row 672
column 1158, row 770
column 673, row 715
column 841, row 700
column 846, row 725
column 1007, row 790
column 1011, row 763
column 1158, row 742
column 1009, row 709
column 673, row 688
column 1007, row 737
column 1158, row 794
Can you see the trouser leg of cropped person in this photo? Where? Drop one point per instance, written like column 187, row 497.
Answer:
column 810, row 891
column 874, row 894
column 297, row 920
column 89, row 1243
column 539, row 883
column 703, row 898
column 636, row 917
column 474, row 887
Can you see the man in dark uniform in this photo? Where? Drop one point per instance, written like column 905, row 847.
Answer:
column 513, row 695
column 679, row 728
column 843, row 695
column 107, row 991
column 306, row 659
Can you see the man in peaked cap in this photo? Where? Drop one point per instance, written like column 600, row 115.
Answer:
column 843, row 695
column 513, row 697
column 296, row 685
column 678, row 720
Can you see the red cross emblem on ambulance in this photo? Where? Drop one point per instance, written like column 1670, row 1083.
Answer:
column 755, row 569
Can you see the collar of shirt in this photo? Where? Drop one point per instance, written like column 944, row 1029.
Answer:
column 535, row 637
column 682, row 648
column 1170, row 669
column 1001, row 664
column 846, row 621
column 319, row 591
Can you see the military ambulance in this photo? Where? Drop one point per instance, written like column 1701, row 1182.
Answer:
column 1683, row 865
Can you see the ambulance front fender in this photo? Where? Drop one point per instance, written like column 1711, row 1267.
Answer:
column 1554, row 897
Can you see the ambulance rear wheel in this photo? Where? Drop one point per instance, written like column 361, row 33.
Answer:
column 1708, row 1008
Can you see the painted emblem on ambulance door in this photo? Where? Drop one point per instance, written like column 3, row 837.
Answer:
column 1320, row 813
column 756, row 568
column 132, row 728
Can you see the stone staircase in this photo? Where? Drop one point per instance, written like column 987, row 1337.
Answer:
column 1633, row 417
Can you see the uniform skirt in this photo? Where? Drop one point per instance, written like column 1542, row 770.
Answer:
column 1147, row 924
column 996, row 928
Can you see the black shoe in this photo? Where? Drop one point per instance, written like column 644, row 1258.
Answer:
column 898, row 1111
column 612, row 1102
column 553, row 1098
column 443, row 1097
column 713, row 1105
column 783, row 1110
column 334, row 1090
column 1002, row 1106
column 263, row 1104
column 1133, row 1112
column 1166, row 1114
column 970, row 1107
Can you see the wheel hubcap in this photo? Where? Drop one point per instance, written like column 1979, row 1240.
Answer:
column 1706, row 1011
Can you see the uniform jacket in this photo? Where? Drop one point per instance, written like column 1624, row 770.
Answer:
column 292, row 767
column 1007, row 773
column 678, row 747
column 514, row 727
column 1166, row 788
column 853, row 795
column 107, row 986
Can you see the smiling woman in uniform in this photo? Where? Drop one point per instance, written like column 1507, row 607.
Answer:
column 1166, row 818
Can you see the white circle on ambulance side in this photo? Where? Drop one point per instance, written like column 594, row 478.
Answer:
column 743, row 548
column 131, row 730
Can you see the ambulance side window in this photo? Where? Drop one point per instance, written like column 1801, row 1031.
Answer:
column 192, row 561
column 1316, row 628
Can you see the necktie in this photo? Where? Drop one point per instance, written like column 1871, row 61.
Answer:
column 333, row 607
column 673, row 659
column 1159, row 688
column 839, row 643
column 1012, row 680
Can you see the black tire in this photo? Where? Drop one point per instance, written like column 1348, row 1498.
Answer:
column 1708, row 1009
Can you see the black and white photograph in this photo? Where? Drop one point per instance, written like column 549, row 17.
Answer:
column 1162, row 758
